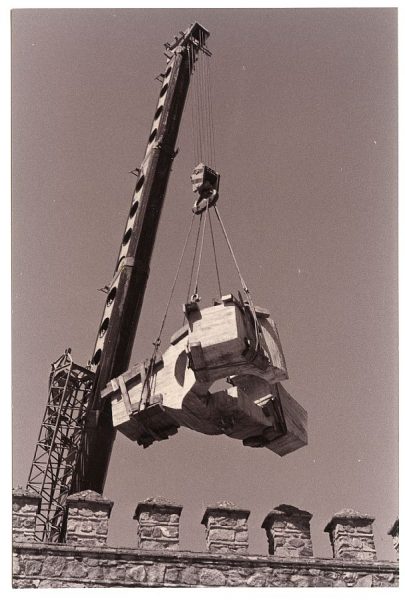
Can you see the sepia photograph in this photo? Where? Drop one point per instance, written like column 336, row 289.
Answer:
column 204, row 297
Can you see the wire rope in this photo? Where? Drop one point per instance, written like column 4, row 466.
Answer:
column 215, row 253
column 174, row 281
column 210, row 104
column 156, row 343
column 245, row 288
column 200, row 255
column 258, row 328
column 193, row 261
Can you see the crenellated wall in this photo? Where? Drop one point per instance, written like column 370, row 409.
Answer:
column 85, row 560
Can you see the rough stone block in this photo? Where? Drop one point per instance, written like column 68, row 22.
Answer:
column 241, row 536
column 166, row 532
column 189, row 575
column 256, row 580
column 228, row 548
column 172, row 575
column 222, row 534
column 53, row 566
column 155, row 573
column 212, row 577
column 115, row 573
column 76, row 570
column 33, row 567
column 16, row 565
column 174, row 518
column 235, row 578
column 95, row 573
column 137, row 573
column 224, row 521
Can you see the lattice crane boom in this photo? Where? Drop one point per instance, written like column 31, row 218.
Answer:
column 123, row 305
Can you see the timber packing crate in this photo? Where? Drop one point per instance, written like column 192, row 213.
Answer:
column 229, row 340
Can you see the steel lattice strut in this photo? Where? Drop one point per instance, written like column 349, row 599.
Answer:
column 59, row 444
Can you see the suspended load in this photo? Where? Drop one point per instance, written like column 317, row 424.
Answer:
column 151, row 401
column 233, row 341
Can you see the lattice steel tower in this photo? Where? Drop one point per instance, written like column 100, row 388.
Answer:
column 59, row 444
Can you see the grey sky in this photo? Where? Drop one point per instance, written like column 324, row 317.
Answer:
column 305, row 121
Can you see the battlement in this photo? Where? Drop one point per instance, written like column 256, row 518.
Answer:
column 86, row 560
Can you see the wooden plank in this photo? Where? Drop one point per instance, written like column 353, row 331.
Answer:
column 178, row 335
column 296, row 419
column 132, row 374
column 124, row 393
column 274, row 348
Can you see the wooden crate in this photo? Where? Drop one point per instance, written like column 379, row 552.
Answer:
column 173, row 380
column 223, row 341
column 213, row 346
column 293, row 415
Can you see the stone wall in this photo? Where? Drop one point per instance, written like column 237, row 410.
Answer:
column 59, row 565
column 87, row 561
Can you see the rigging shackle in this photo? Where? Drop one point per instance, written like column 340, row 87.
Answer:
column 205, row 182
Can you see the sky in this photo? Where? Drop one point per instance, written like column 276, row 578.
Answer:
column 305, row 114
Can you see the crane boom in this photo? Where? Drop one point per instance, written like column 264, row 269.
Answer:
column 123, row 305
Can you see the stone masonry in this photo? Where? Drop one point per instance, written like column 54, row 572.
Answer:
column 351, row 535
column 158, row 520
column 88, row 518
column 60, row 565
column 226, row 528
column 26, row 505
column 288, row 531
column 85, row 560
column 394, row 531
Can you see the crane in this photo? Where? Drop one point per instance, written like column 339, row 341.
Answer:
column 148, row 402
column 77, row 435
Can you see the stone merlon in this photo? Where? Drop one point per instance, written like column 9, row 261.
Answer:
column 394, row 532
column 158, row 523
column 88, row 518
column 226, row 528
column 288, row 531
column 351, row 535
column 26, row 506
